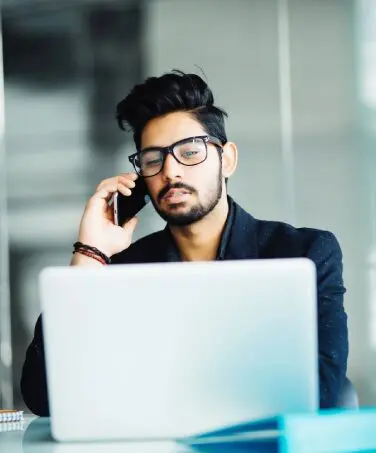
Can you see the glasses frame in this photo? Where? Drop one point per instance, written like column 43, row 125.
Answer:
column 166, row 150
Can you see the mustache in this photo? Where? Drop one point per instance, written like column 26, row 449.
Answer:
column 178, row 185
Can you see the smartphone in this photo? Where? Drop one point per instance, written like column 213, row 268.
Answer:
column 124, row 208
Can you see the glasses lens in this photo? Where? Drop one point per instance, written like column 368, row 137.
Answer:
column 192, row 152
column 150, row 162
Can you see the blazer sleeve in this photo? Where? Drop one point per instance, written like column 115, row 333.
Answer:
column 326, row 253
column 33, row 378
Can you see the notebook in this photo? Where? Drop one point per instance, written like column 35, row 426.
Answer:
column 10, row 416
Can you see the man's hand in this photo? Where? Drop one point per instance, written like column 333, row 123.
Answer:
column 97, row 227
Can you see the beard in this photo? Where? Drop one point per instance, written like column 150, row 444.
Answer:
column 197, row 211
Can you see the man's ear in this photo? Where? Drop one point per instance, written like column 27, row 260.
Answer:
column 229, row 159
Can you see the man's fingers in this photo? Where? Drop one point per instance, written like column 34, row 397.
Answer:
column 128, row 179
column 124, row 189
column 106, row 191
column 130, row 183
column 132, row 175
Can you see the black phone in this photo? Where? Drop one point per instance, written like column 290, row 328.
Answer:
column 124, row 208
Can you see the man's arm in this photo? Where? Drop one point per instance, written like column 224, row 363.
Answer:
column 332, row 319
column 33, row 380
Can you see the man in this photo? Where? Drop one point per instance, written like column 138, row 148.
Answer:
column 185, row 159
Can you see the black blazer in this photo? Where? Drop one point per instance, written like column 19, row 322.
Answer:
column 244, row 237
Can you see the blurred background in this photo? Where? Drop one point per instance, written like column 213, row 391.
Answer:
column 297, row 77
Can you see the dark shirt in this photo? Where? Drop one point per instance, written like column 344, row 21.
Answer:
column 243, row 237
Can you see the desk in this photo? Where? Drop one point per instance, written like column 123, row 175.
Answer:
column 33, row 436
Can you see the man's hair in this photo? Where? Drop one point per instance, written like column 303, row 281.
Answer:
column 175, row 91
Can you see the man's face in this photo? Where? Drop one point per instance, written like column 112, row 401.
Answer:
column 182, row 194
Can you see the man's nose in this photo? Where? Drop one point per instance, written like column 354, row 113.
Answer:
column 172, row 169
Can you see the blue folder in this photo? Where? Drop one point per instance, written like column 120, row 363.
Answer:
column 328, row 431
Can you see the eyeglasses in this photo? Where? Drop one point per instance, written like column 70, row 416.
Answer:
column 189, row 151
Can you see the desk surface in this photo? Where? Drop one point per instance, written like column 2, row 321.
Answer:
column 33, row 436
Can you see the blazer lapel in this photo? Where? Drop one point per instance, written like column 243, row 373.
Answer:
column 243, row 240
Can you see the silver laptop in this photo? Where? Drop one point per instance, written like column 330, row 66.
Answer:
column 177, row 349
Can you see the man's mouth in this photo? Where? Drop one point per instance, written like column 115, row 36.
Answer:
column 176, row 195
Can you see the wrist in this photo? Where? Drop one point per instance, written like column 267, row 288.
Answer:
column 93, row 252
column 82, row 260
column 94, row 244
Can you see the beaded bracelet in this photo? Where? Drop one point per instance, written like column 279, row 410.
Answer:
column 91, row 255
column 80, row 246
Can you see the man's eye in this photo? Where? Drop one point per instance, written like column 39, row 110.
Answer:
column 150, row 163
column 191, row 153
column 150, row 158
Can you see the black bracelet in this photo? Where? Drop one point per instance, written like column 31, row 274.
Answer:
column 79, row 245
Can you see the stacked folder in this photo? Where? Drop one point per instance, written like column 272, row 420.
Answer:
column 334, row 431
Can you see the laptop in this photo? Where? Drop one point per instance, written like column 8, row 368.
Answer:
column 169, row 350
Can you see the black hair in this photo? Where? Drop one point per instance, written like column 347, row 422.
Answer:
column 172, row 92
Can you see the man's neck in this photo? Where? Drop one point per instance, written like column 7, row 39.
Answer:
column 200, row 241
